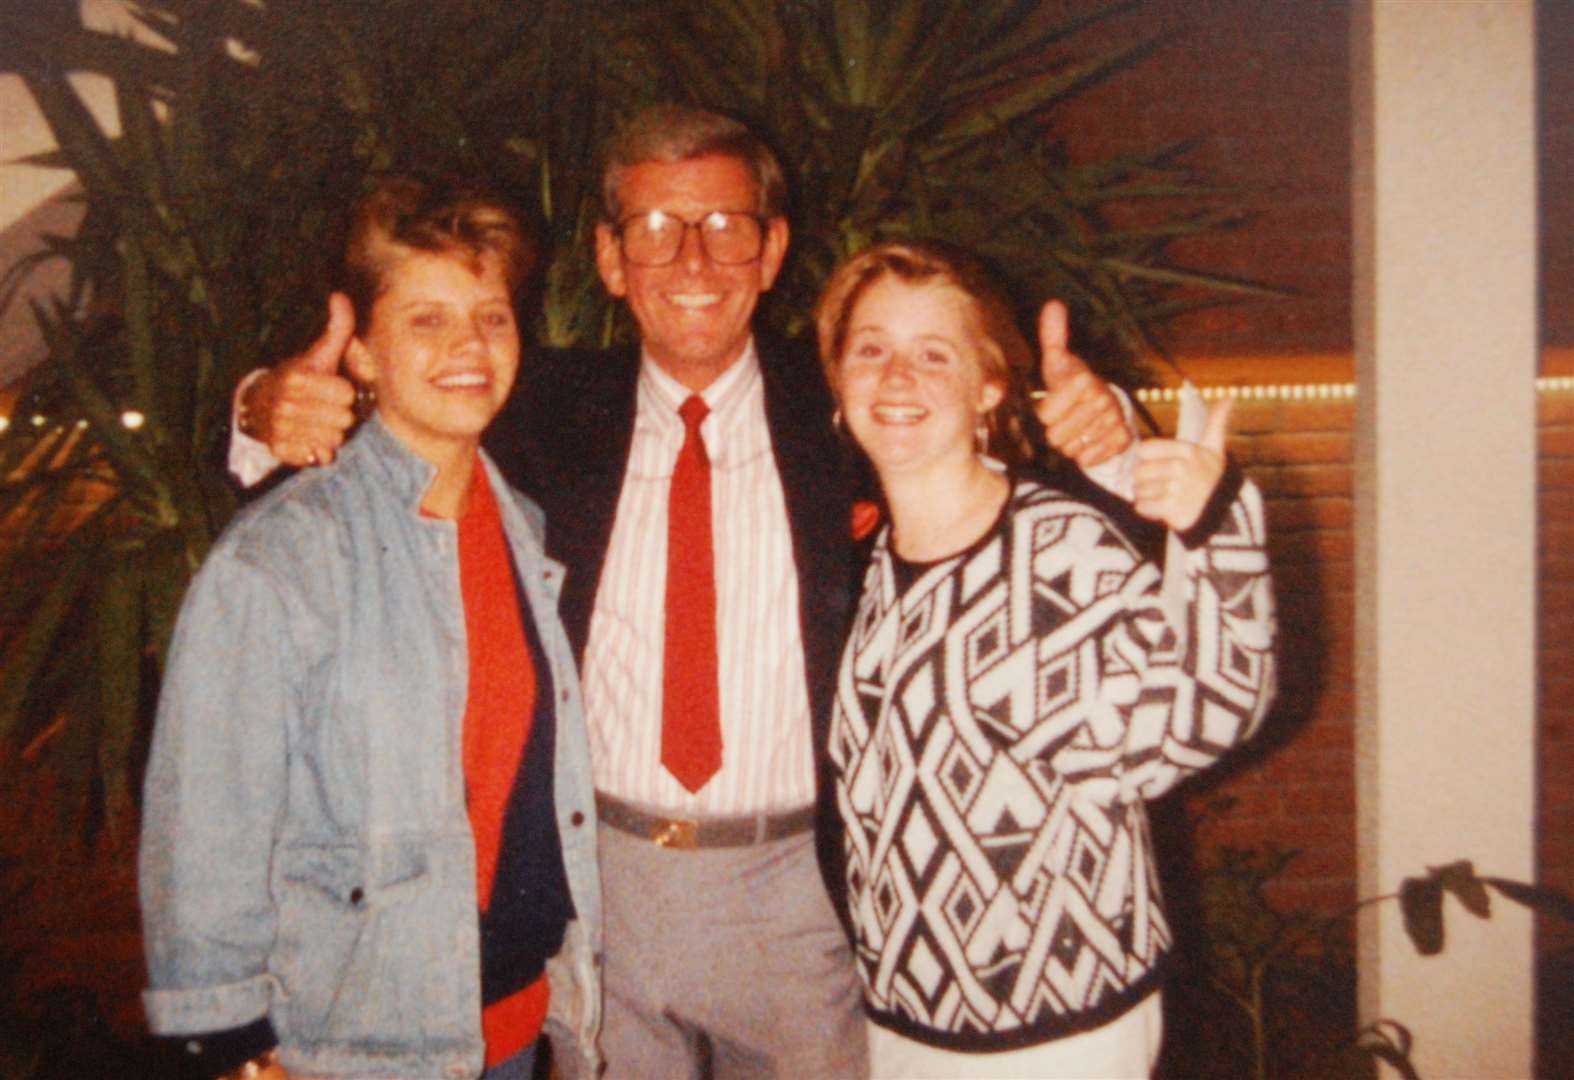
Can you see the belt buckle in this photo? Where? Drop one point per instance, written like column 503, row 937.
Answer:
column 683, row 835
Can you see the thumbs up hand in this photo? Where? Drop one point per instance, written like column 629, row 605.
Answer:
column 1175, row 479
column 302, row 406
column 1081, row 415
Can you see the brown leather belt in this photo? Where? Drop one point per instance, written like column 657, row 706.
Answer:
column 716, row 832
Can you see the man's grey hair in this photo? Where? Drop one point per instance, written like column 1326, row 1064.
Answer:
column 673, row 133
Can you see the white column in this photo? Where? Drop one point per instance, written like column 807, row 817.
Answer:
column 1445, row 334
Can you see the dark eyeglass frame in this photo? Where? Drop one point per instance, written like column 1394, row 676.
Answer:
column 762, row 220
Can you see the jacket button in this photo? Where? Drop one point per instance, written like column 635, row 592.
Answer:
column 576, row 818
column 357, row 894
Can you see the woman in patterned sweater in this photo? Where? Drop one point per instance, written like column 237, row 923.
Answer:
column 1014, row 690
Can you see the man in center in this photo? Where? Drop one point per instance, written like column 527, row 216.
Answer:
column 697, row 492
column 692, row 485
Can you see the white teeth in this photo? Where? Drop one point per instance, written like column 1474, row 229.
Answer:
column 899, row 414
column 694, row 300
column 462, row 379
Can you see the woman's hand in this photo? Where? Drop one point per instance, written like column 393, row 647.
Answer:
column 1174, row 479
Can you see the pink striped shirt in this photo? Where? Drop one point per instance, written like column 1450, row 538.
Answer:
column 767, row 761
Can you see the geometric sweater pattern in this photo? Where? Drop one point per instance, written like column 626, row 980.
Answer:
column 996, row 729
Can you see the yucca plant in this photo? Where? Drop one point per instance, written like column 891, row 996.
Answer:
column 131, row 392
column 214, row 217
column 212, row 224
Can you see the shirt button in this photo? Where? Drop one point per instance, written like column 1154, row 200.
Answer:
column 357, row 894
column 576, row 818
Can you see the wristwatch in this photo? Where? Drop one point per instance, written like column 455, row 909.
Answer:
column 250, row 1070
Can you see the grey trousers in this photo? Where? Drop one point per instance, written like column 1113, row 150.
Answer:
column 725, row 963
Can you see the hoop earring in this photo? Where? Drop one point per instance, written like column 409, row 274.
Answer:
column 836, row 422
column 981, row 438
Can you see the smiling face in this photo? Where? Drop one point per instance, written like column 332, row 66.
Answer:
column 441, row 350
column 910, row 380
column 694, row 315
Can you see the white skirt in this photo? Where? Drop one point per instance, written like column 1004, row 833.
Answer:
column 1126, row 1048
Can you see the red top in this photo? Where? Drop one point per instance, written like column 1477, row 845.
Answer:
column 498, row 708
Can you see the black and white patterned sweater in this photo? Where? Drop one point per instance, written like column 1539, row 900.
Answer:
column 998, row 724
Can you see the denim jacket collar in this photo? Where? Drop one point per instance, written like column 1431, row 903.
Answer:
column 408, row 474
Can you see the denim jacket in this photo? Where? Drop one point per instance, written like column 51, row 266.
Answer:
column 306, row 850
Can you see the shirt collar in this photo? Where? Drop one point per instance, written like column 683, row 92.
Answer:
column 722, row 396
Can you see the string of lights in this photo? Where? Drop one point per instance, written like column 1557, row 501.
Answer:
column 1335, row 391
column 133, row 420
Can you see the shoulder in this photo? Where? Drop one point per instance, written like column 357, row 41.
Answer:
column 305, row 499
column 1048, row 516
column 792, row 366
column 292, row 528
column 272, row 585
column 798, row 404
column 1034, row 496
column 510, row 498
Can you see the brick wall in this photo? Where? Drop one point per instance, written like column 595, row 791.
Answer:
column 1296, row 788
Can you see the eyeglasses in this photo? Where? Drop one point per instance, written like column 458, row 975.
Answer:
column 728, row 237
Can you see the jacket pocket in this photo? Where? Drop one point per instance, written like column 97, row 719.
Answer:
column 358, row 948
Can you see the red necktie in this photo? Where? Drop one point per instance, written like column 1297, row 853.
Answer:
column 690, row 710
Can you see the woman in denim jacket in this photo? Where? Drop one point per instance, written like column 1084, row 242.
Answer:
column 369, row 826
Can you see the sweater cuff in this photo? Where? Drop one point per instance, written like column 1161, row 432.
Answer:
column 214, row 1053
column 1225, row 492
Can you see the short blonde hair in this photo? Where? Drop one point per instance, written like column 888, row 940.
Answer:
column 405, row 213
column 1003, row 352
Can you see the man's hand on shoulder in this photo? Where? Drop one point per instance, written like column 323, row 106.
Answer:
column 302, row 407
column 1081, row 414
